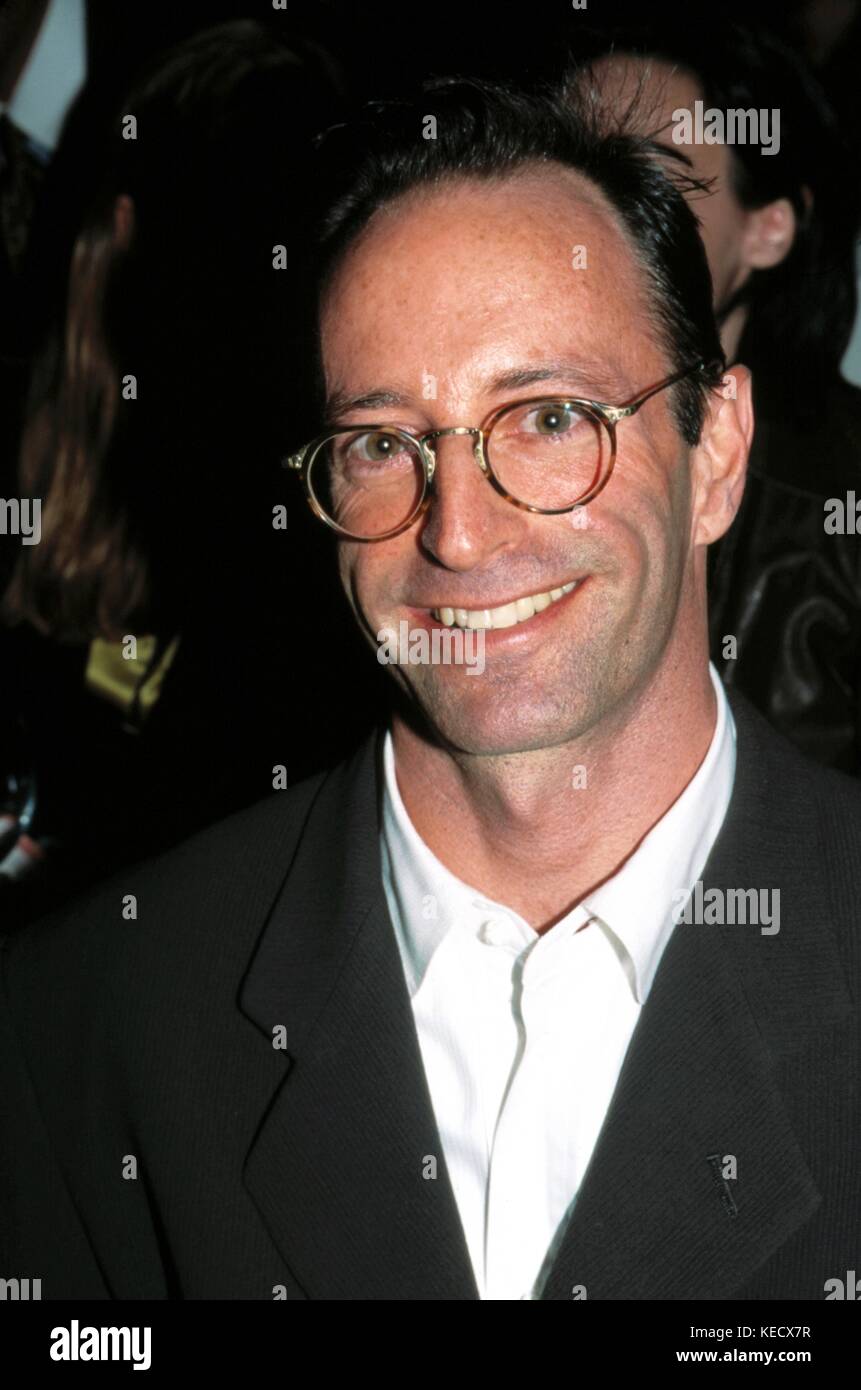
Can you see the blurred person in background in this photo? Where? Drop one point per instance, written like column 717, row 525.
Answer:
column 779, row 226
column 43, row 65
column 49, row 51
column 147, row 633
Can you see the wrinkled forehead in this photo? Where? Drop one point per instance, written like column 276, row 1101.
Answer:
column 537, row 259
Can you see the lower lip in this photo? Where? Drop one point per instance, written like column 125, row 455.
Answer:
column 508, row 636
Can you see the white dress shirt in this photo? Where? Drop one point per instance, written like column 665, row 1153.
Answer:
column 523, row 1036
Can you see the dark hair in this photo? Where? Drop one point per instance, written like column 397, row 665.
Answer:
column 485, row 130
column 801, row 311
column 188, row 302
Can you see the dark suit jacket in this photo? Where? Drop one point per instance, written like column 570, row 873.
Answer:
column 260, row 1169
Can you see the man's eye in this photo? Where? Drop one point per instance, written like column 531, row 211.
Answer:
column 378, row 447
column 550, row 419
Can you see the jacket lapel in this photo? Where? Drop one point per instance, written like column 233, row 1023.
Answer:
column 338, row 1167
column 730, row 1006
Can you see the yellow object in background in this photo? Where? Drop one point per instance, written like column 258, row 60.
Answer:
column 132, row 683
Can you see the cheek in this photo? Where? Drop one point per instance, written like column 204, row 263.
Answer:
column 347, row 564
column 672, row 528
column 369, row 576
column 721, row 251
column 649, row 527
column 352, row 568
column 722, row 223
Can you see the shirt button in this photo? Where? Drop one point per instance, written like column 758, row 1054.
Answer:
column 494, row 933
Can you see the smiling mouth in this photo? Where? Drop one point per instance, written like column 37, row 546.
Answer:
column 507, row 615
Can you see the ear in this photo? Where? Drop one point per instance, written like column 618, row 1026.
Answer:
column 768, row 234
column 719, row 461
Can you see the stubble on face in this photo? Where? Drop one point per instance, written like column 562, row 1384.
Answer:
column 463, row 283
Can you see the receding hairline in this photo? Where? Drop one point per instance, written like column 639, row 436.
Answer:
column 529, row 169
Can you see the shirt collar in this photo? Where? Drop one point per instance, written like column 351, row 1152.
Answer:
column 635, row 907
column 671, row 857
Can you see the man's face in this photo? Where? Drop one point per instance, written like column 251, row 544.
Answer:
column 472, row 283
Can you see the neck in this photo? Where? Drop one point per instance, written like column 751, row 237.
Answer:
column 520, row 829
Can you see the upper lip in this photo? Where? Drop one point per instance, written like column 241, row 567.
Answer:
column 477, row 607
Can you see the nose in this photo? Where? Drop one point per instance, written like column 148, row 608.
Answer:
column 467, row 523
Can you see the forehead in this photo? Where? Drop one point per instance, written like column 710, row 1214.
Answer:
column 461, row 274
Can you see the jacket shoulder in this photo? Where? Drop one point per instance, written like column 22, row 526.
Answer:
column 809, row 818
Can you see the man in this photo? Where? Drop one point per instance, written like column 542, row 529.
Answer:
column 435, row 1026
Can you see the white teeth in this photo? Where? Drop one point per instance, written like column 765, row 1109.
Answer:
column 525, row 608
column 507, row 615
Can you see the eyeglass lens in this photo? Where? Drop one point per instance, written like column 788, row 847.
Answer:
column 545, row 454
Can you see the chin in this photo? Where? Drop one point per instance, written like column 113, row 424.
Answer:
column 491, row 724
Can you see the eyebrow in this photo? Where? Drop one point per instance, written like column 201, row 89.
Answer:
column 595, row 379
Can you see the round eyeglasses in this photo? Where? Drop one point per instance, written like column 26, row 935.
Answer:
column 547, row 455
